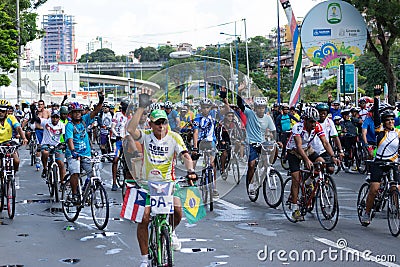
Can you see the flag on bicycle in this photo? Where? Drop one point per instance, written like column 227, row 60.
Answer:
column 134, row 204
column 192, row 203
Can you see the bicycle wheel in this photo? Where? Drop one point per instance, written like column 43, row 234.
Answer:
column 362, row 201
column 284, row 161
column 10, row 196
column 211, row 188
column 327, row 205
column 50, row 181
column 287, row 200
column 165, row 248
column 234, row 167
column 2, row 193
column 120, row 173
column 361, row 160
column 273, row 188
column 393, row 212
column 70, row 209
column 153, row 245
column 32, row 153
column 204, row 188
column 99, row 205
column 56, row 179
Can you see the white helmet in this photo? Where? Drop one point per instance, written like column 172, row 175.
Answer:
column 260, row 101
column 168, row 104
column 311, row 113
column 206, row 101
column 154, row 106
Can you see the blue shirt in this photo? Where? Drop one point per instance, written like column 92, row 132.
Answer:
column 369, row 125
column 206, row 126
column 172, row 119
column 253, row 128
column 285, row 122
column 79, row 136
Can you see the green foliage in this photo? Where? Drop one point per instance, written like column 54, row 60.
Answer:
column 100, row 55
column 369, row 67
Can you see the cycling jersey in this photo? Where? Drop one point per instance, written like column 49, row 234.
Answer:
column 206, row 127
column 172, row 119
column 306, row 139
column 159, row 155
column 52, row 133
column 79, row 136
column 120, row 121
column 105, row 122
column 6, row 130
column 253, row 128
column 330, row 131
column 388, row 144
column 363, row 114
column 368, row 124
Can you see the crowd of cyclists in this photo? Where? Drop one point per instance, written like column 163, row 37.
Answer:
column 159, row 132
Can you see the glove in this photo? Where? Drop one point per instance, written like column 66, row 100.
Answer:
column 144, row 100
column 74, row 154
column 222, row 94
column 191, row 175
column 65, row 97
column 377, row 91
column 101, row 97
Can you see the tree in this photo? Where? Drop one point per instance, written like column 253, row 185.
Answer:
column 369, row 66
column 100, row 55
column 164, row 51
column 383, row 17
column 146, row 54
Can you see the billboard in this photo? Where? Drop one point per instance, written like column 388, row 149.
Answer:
column 332, row 30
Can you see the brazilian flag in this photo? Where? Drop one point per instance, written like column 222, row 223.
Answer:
column 192, row 203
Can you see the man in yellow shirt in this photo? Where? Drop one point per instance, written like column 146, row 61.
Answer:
column 7, row 124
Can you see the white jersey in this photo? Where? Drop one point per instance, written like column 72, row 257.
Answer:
column 106, row 120
column 306, row 138
column 330, row 131
column 363, row 114
column 266, row 122
column 120, row 121
column 51, row 133
column 158, row 161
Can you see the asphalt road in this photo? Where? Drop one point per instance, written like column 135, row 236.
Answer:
column 237, row 233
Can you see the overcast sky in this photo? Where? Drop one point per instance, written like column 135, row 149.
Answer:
column 129, row 24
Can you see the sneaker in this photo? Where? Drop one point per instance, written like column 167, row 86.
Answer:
column 176, row 243
column 354, row 169
column 44, row 173
column 145, row 264
column 252, row 189
column 296, row 215
column 366, row 219
column 215, row 193
column 37, row 166
column 76, row 200
column 114, row 187
column 224, row 175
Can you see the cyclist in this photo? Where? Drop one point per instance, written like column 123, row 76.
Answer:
column 173, row 116
column 204, row 129
column 42, row 113
column 283, row 127
column 294, row 112
column 266, row 123
column 334, row 107
column 337, row 120
column 302, row 145
column 54, row 129
column 19, row 114
column 368, row 133
column 105, row 119
column 160, row 146
column 9, row 123
column 329, row 129
column 78, row 146
column 387, row 139
column 118, row 129
column 349, row 138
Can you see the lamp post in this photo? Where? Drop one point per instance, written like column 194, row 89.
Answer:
column 18, row 56
column 237, row 55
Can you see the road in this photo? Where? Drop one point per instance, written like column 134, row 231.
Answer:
column 237, row 233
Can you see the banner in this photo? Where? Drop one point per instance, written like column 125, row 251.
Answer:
column 134, row 204
column 192, row 203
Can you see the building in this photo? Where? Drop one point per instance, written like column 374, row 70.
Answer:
column 97, row 44
column 58, row 44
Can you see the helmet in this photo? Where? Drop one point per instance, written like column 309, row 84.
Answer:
column 124, row 105
column 168, row 104
column 260, row 101
column 362, row 99
column 285, row 106
column 311, row 113
column 55, row 112
column 75, row 106
column 387, row 113
column 345, row 111
column 337, row 118
column 384, row 106
column 355, row 109
column 206, row 101
column 322, row 107
column 4, row 103
column 63, row 110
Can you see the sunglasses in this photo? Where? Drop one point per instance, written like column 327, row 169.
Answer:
column 388, row 120
column 3, row 110
column 161, row 121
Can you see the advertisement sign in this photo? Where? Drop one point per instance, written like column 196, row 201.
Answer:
column 331, row 30
column 350, row 79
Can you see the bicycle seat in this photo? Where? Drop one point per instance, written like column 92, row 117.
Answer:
column 205, row 146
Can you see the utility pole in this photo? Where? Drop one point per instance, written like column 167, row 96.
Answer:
column 247, row 59
column 19, row 55
column 40, row 77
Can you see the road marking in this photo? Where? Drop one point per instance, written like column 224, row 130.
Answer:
column 229, row 205
column 353, row 251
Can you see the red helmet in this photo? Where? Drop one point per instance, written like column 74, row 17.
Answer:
column 75, row 106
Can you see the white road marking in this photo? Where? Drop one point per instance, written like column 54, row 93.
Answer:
column 229, row 205
column 352, row 251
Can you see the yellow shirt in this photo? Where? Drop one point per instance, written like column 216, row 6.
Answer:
column 6, row 130
column 293, row 122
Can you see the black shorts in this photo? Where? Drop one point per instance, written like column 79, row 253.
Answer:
column 328, row 160
column 377, row 171
column 294, row 161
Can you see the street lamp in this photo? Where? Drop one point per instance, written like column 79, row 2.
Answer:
column 185, row 54
column 237, row 53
